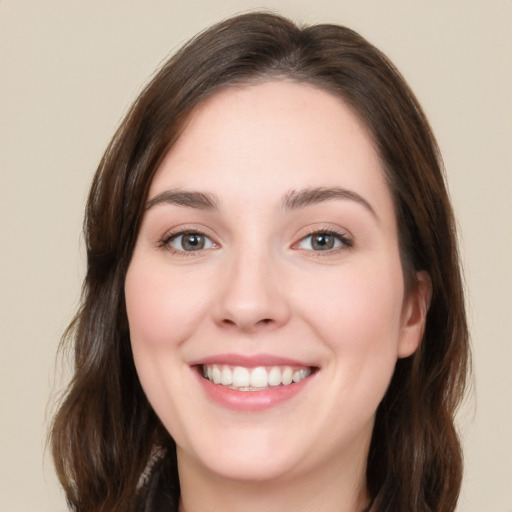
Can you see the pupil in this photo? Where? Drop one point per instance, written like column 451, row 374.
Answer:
column 323, row 242
column 193, row 242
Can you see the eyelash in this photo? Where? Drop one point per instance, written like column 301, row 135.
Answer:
column 165, row 242
column 342, row 238
column 344, row 241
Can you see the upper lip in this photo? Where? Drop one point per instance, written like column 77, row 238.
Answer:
column 250, row 361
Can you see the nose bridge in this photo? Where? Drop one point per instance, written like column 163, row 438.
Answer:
column 251, row 297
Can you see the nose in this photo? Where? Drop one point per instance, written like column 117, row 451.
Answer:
column 252, row 294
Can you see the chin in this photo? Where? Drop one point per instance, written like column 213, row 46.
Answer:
column 240, row 468
column 243, row 454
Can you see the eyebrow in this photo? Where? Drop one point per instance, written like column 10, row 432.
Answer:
column 297, row 199
column 198, row 200
column 293, row 200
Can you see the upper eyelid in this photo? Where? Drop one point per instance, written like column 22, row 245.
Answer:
column 184, row 229
column 325, row 229
column 176, row 234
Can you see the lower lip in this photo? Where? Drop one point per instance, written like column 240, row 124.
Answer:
column 251, row 401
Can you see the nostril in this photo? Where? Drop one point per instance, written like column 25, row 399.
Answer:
column 264, row 321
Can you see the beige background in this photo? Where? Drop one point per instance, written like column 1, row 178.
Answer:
column 69, row 70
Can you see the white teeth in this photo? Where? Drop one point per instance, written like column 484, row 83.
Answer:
column 274, row 376
column 241, row 377
column 216, row 374
column 299, row 375
column 259, row 378
column 246, row 379
column 287, row 376
column 227, row 376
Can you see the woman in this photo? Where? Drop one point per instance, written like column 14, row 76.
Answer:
column 273, row 314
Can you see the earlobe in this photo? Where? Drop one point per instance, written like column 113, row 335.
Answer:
column 416, row 307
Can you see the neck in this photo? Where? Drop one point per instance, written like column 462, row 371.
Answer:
column 331, row 488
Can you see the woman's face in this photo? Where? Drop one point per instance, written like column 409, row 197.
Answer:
column 268, row 261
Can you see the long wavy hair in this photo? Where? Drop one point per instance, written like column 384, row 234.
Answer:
column 105, row 431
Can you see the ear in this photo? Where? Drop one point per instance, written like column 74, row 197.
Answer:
column 415, row 310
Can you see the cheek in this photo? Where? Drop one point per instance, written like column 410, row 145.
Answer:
column 162, row 309
column 358, row 315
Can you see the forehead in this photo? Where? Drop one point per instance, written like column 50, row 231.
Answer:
column 277, row 135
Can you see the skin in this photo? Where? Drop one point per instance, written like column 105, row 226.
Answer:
column 259, row 286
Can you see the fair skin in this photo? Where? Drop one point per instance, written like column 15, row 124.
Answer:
column 270, row 242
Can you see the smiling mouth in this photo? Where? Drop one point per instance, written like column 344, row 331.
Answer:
column 260, row 378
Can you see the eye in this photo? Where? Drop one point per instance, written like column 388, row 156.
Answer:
column 188, row 241
column 324, row 241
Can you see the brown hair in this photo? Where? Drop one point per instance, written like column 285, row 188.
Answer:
column 105, row 429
